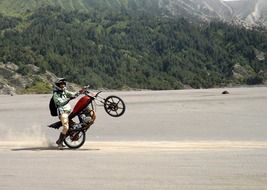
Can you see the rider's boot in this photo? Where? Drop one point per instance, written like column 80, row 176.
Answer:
column 60, row 141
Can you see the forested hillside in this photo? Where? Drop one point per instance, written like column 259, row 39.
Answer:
column 116, row 49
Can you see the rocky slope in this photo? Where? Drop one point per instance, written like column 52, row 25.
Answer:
column 12, row 82
column 250, row 12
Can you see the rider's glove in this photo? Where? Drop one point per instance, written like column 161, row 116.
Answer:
column 81, row 91
column 73, row 97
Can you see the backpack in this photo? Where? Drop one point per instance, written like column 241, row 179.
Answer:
column 53, row 107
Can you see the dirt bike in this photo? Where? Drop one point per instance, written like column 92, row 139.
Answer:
column 85, row 111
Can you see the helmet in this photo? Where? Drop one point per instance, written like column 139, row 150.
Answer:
column 60, row 81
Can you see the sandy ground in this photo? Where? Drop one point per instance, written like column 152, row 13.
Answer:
column 188, row 139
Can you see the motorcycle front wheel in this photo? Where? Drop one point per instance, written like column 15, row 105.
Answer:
column 114, row 106
column 75, row 139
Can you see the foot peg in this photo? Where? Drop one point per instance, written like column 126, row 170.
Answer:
column 56, row 125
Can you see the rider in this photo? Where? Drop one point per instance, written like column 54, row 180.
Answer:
column 61, row 97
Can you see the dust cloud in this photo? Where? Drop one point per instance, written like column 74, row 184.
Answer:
column 33, row 135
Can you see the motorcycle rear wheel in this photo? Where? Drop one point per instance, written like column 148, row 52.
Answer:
column 75, row 139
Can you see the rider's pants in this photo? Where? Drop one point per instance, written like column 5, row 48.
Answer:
column 65, row 122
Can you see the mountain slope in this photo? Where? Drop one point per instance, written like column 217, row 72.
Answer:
column 248, row 11
column 259, row 13
column 115, row 49
column 206, row 9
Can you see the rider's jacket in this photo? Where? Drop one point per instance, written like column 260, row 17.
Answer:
column 61, row 99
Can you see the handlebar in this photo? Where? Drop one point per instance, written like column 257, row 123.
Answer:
column 86, row 87
column 85, row 90
column 97, row 94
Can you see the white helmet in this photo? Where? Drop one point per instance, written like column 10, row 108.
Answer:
column 60, row 81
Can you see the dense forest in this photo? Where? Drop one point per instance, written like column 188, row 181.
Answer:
column 120, row 50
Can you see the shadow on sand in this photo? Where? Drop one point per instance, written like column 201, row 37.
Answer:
column 52, row 148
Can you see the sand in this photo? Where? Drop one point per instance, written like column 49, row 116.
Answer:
column 187, row 139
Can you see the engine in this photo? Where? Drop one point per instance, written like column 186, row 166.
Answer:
column 88, row 116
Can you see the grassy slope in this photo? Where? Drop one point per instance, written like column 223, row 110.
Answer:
column 17, row 7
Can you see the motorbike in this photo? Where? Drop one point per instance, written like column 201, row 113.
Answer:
column 84, row 109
